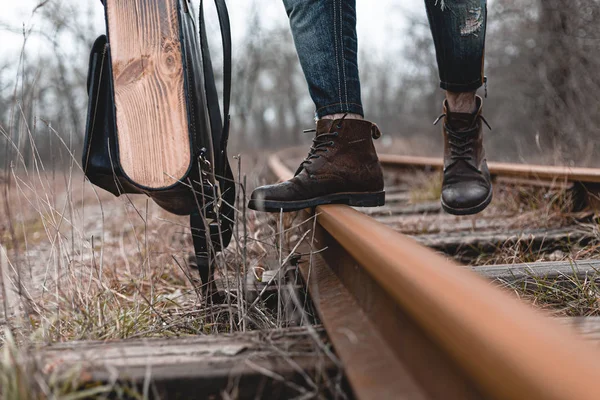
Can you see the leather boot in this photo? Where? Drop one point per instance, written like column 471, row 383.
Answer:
column 342, row 168
column 467, row 186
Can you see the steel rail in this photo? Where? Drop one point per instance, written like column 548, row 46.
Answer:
column 543, row 172
column 417, row 298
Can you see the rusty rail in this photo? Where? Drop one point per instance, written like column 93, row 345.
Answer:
column 451, row 334
column 544, row 172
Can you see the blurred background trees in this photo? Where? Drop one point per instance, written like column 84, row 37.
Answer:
column 542, row 62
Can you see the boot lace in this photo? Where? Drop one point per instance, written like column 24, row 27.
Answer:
column 461, row 143
column 321, row 144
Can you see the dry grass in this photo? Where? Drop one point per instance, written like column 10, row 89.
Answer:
column 82, row 265
column 91, row 266
column 564, row 296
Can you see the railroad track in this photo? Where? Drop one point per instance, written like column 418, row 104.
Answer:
column 408, row 323
column 405, row 320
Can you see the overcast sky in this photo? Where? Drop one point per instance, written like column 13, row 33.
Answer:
column 375, row 19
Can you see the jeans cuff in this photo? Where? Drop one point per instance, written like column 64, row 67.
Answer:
column 340, row 108
column 462, row 87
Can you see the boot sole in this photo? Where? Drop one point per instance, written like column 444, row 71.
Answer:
column 471, row 210
column 149, row 90
column 374, row 199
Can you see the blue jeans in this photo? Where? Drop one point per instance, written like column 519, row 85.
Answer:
column 325, row 36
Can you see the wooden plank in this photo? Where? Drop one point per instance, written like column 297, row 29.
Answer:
column 148, row 73
column 402, row 209
column 400, row 197
column 448, row 225
column 546, row 270
column 396, row 188
column 586, row 327
column 282, row 362
column 529, row 182
column 544, row 172
column 491, row 239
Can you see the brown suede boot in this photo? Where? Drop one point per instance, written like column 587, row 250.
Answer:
column 467, row 186
column 341, row 168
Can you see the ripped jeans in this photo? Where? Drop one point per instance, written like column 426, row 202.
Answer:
column 325, row 36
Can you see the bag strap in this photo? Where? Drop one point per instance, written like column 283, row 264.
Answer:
column 219, row 125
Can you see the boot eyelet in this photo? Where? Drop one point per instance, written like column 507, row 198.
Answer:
column 336, row 134
column 339, row 126
column 331, row 143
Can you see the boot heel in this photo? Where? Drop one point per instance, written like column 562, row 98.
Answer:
column 367, row 199
column 149, row 91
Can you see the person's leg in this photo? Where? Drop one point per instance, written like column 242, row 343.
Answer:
column 342, row 165
column 458, row 28
column 324, row 33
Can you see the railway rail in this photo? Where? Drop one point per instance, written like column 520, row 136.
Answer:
column 575, row 174
column 404, row 319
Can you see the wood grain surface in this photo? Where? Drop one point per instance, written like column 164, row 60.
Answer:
column 545, row 270
column 149, row 84
column 278, row 362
